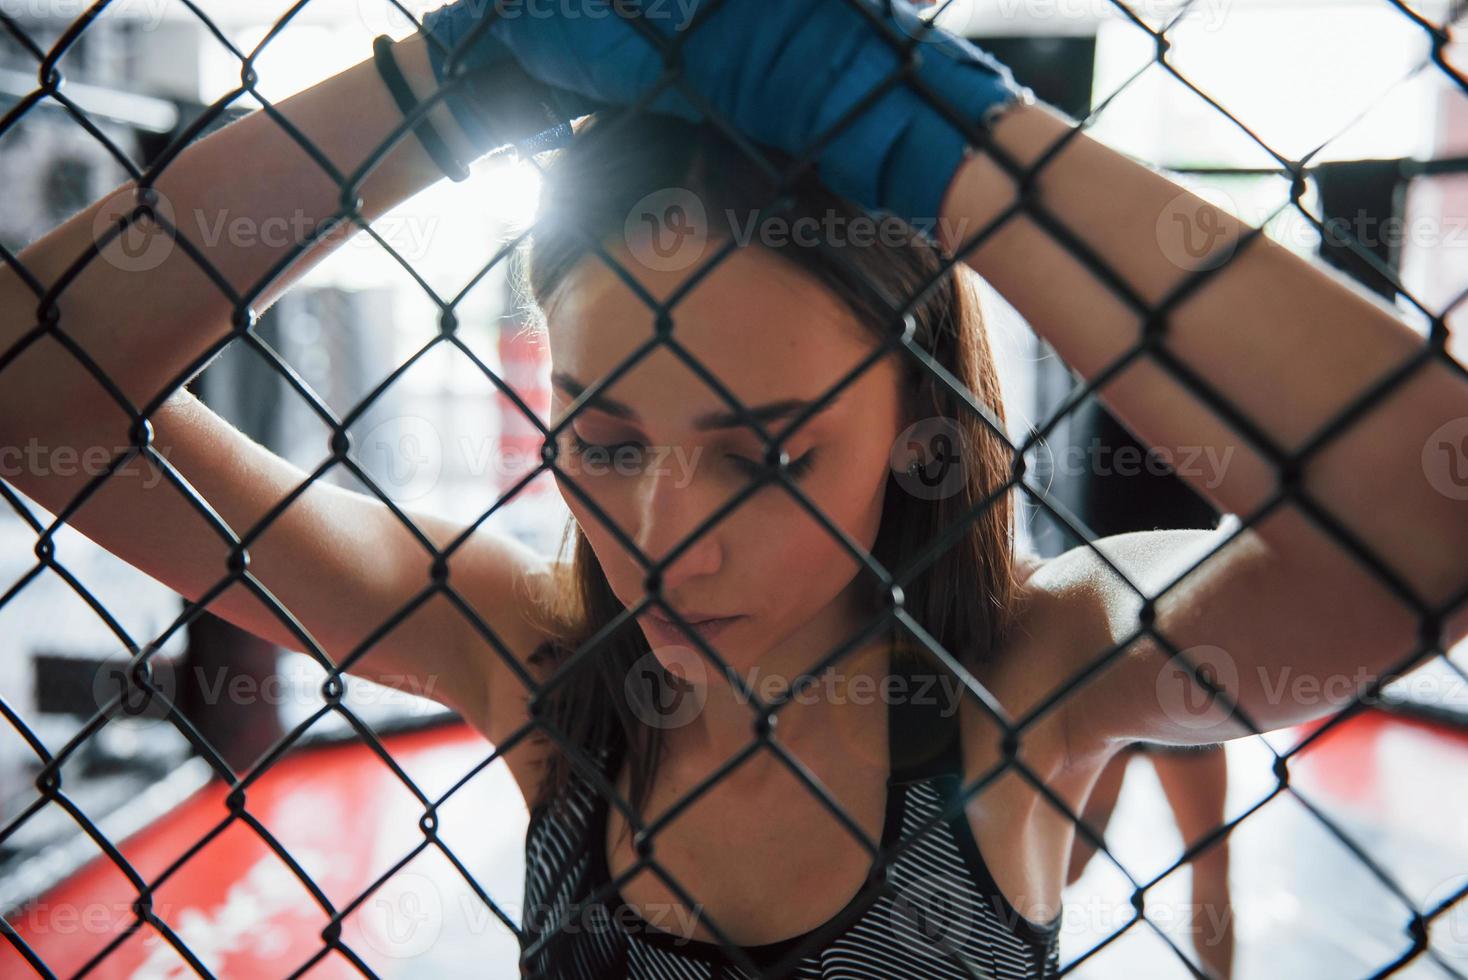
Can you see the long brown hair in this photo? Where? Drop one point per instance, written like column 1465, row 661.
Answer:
column 962, row 596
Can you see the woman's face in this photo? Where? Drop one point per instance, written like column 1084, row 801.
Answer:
column 666, row 459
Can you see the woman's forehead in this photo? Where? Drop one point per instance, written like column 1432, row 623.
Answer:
column 762, row 327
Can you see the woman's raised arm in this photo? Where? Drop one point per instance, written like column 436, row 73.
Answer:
column 1289, row 346
column 341, row 562
column 146, row 317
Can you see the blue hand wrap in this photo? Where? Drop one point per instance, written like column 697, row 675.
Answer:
column 782, row 73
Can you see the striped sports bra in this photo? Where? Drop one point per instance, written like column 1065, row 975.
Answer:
column 941, row 916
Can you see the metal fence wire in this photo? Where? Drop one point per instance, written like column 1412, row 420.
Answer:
column 1029, row 202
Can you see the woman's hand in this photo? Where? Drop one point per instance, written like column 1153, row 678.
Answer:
column 782, row 74
column 492, row 98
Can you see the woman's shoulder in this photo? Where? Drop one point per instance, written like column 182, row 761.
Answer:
column 1054, row 597
column 1050, row 608
column 1053, row 632
column 1026, row 564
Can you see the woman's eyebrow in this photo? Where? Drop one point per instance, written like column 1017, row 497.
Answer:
column 769, row 412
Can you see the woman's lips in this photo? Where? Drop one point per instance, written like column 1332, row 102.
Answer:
column 665, row 631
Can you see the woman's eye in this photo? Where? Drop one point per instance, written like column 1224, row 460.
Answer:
column 580, row 446
column 796, row 468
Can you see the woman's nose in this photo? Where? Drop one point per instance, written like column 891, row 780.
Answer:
column 671, row 510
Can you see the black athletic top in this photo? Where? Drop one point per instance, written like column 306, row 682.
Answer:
column 941, row 916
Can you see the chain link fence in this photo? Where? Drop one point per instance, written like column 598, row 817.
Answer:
column 140, row 685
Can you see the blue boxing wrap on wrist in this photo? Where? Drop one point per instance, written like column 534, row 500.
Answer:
column 783, row 74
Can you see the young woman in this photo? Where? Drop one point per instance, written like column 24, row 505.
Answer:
column 731, row 847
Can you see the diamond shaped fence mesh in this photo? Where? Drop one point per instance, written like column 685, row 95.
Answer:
column 596, row 688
